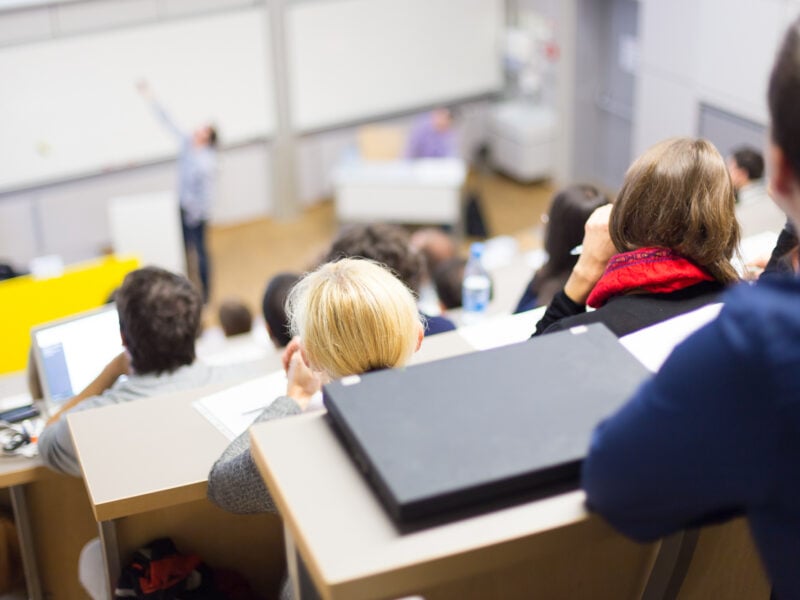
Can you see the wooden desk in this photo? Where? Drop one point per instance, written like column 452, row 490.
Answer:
column 341, row 543
column 145, row 466
column 42, row 503
column 353, row 550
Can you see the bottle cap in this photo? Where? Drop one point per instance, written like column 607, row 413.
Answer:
column 476, row 249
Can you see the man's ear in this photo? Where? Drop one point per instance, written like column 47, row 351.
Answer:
column 781, row 177
column 420, row 335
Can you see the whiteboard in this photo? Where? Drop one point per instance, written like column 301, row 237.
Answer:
column 351, row 60
column 69, row 107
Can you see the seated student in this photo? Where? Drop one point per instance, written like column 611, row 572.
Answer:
column 565, row 220
column 377, row 327
column 273, row 305
column 666, row 250
column 755, row 210
column 432, row 136
column 436, row 248
column 448, row 279
column 716, row 433
column 159, row 316
column 235, row 318
column 388, row 245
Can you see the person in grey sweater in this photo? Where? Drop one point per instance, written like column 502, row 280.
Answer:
column 159, row 316
column 377, row 326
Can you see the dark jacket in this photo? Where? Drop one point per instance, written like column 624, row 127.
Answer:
column 628, row 313
column 715, row 434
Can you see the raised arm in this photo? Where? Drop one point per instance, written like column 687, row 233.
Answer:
column 234, row 483
column 597, row 251
column 158, row 110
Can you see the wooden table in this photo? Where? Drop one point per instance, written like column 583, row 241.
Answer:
column 145, row 466
column 340, row 543
column 353, row 550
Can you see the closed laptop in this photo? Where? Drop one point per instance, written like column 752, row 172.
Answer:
column 465, row 431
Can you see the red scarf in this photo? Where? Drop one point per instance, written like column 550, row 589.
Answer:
column 657, row 270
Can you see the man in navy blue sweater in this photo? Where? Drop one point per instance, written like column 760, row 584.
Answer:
column 716, row 433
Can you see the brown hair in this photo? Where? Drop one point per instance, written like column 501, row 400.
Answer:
column 159, row 317
column 235, row 318
column 386, row 244
column 679, row 195
column 784, row 97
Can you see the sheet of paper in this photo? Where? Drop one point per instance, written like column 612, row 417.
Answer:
column 654, row 344
column 502, row 330
column 233, row 410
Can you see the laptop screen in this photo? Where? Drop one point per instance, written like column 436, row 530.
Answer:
column 71, row 352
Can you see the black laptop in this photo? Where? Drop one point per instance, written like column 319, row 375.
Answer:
column 444, row 436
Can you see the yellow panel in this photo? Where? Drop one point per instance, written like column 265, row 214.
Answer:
column 26, row 302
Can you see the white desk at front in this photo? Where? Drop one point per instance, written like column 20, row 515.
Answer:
column 405, row 191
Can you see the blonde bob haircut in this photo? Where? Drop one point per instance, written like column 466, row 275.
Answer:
column 354, row 316
column 679, row 195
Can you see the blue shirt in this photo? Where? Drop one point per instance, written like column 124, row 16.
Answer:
column 715, row 434
column 196, row 169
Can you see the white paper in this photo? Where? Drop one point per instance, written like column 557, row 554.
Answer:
column 654, row 344
column 233, row 410
column 502, row 331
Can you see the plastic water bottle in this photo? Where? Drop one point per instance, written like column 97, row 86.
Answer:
column 476, row 287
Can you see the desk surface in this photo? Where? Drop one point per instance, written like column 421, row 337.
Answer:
column 16, row 470
column 119, row 445
column 349, row 543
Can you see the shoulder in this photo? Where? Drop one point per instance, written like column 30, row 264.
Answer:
column 434, row 325
column 764, row 314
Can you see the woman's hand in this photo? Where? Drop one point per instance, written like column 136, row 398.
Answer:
column 303, row 382
column 597, row 251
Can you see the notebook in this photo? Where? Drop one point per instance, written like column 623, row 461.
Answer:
column 440, row 437
column 70, row 353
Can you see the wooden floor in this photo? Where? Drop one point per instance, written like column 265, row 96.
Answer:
column 246, row 256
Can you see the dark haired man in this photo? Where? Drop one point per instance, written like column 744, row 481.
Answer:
column 273, row 306
column 755, row 210
column 716, row 433
column 389, row 245
column 197, row 166
column 159, row 317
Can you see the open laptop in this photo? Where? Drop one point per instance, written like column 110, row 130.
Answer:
column 436, row 438
column 70, row 353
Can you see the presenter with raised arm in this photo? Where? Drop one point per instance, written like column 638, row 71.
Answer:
column 197, row 168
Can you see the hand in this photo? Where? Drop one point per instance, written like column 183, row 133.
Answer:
column 290, row 349
column 303, row 382
column 119, row 365
column 144, row 88
column 597, row 251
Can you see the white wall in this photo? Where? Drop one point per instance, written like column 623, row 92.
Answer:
column 717, row 52
column 70, row 218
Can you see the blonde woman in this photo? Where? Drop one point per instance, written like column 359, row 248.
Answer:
column 662, row 249
column 350, row 317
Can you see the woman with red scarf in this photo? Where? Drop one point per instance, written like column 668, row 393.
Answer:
column 664, row 248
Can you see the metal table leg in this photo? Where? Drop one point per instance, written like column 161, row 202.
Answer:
column 20, row 507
